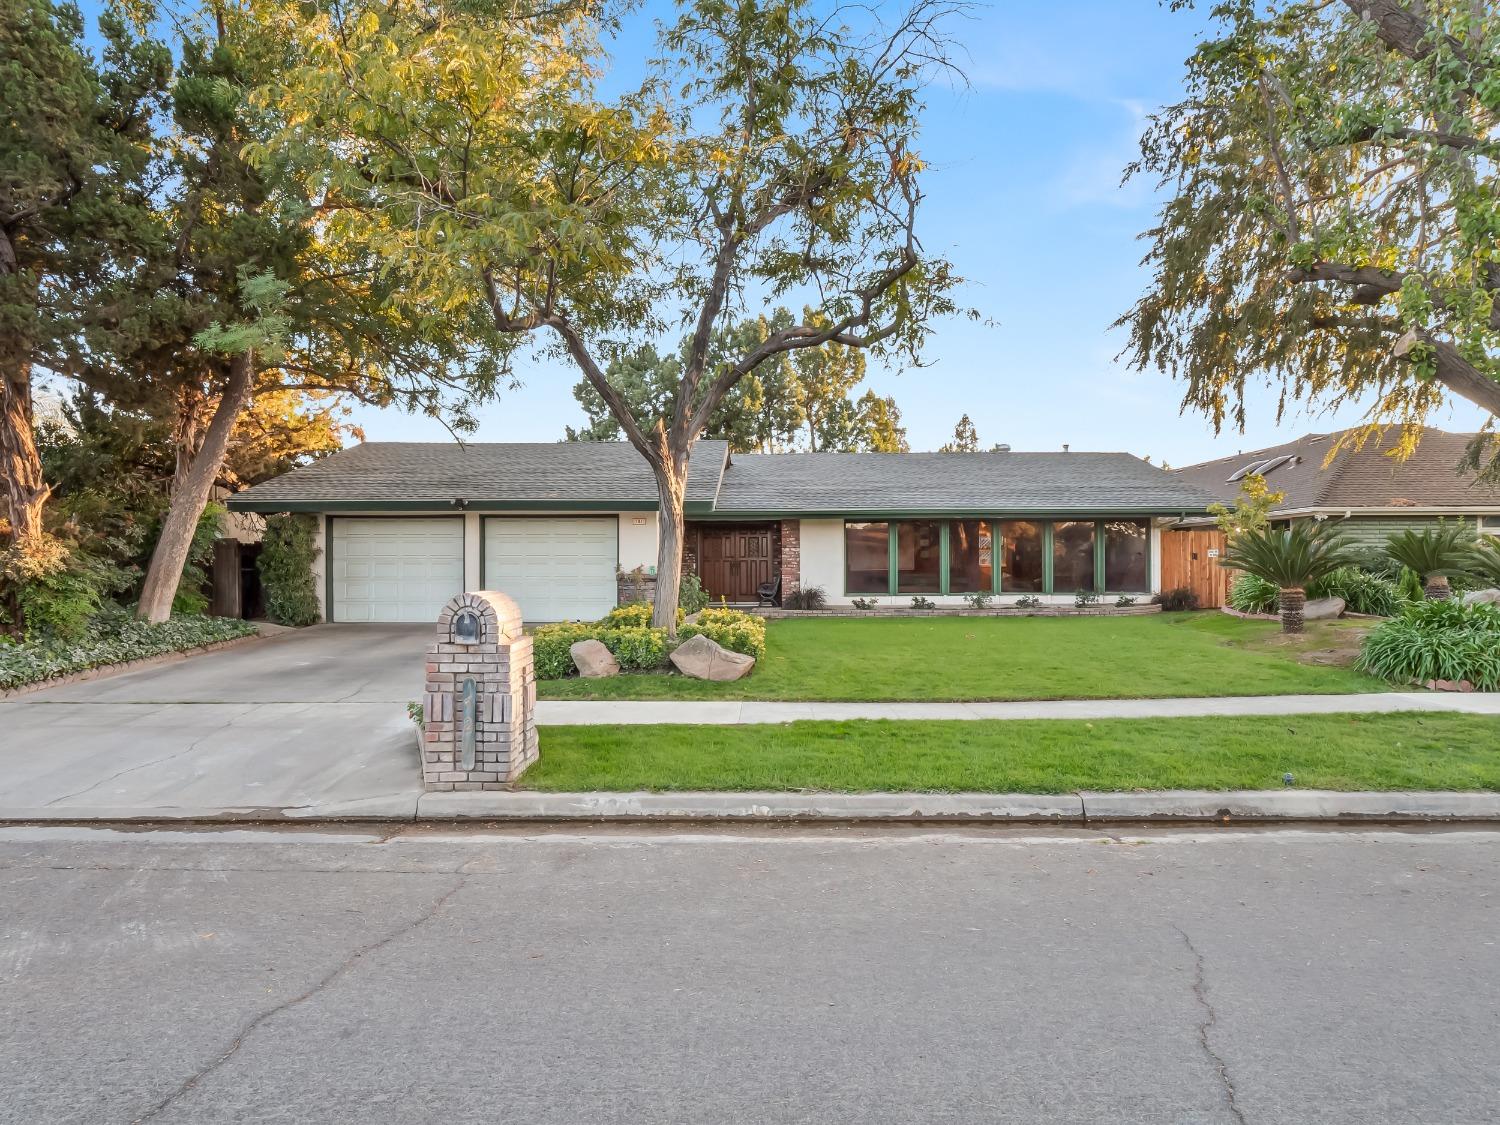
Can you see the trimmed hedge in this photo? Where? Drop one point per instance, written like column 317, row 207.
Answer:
column 112, row 638
column 288, row 550
column 731, row 629
column 637, row 648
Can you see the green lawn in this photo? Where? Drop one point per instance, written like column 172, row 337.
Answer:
column 1411, row 751
column 971, row 658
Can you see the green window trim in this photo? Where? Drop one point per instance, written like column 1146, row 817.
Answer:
column 893, row 556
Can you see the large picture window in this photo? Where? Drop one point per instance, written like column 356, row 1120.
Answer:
column 1021, row 557
column 867, row 558
column 1072, row 556
column 919, row 557
column 1125, row 547
column 971, row 557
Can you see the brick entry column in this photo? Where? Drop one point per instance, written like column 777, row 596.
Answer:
column 791, row 556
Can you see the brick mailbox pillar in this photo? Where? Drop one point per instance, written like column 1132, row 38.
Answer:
column 479, row 709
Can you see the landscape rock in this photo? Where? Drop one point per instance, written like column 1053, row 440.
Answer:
column 1481, row 597
column 593, row 660
column 1317, row 609
column 703, row 659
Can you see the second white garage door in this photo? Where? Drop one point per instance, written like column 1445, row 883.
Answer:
column 395, row 569
column 557, row 569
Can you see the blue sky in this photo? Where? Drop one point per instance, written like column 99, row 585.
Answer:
column 1025, row 199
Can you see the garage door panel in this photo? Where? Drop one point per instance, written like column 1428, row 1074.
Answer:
column 394, row 570
column 557, row 569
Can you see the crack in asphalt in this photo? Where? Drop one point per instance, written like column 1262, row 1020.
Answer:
column 328, row 979
column 1200, row 993
column 220, row 729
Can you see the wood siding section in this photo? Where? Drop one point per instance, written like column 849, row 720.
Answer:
column 1186, row 561
column 732, row 560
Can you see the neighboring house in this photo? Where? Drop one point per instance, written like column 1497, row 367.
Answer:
column 1373, row 493
column 569, row 528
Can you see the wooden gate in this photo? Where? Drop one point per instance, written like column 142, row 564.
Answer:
column 1191, row 559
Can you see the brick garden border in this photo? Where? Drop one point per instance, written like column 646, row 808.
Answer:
column 103, row 671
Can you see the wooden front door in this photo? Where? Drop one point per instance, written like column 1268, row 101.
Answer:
column 733, row 561
column 1191, row 559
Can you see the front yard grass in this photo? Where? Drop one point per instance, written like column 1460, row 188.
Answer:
column 1403, row 751
column 992, row 658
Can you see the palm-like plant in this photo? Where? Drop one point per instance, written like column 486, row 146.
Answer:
column 1435, row 554
column 1291, row 558
column 1485, row 559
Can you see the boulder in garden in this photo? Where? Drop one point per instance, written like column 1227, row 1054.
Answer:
column 703, row 659
column 593, row 660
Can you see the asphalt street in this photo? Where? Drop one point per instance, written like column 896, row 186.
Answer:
column 767, row 976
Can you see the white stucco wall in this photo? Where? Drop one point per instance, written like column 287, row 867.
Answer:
column 473, row 572
column 638, row 541
column 320, row 566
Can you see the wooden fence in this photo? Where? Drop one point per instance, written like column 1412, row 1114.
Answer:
column 1191, row 559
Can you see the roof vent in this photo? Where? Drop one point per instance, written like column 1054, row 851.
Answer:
column 1065, row 447
column 1002, row 448
column 1253, row 467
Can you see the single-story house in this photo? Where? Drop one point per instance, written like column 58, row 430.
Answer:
column 1373, row 493
column 570, row 529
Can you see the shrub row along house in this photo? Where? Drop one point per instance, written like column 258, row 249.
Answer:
column 569, row 529
column 1370, row 492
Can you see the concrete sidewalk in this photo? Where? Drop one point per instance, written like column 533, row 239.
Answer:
column 565, row 712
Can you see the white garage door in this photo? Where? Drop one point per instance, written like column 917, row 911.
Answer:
column 556, row 569
column 395, row 569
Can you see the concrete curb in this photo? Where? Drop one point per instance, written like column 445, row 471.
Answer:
column 1298, row 806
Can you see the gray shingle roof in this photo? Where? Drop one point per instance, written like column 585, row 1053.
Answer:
column 601, row 474
column 952, row 483
column 494, row 473
column 1356, row 478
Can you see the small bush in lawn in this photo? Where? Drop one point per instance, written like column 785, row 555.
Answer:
column 638, row 648
column 1436, row 640
column 636, row 615
column 923, row 603
column 809, row 597
column 1176, row 601
column 866, row 603
column 1084, row 599
column 1124, row 601
column 1362, row 592
column 731, row 629
column 1028, row 601
column 1250, row 594
column 979, row 601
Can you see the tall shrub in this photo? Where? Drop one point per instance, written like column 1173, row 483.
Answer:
column 286, row 557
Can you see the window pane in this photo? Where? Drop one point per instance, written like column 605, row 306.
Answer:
column 971, row 556
column 1020, row 557
column 1125, row 555
column 867, row 559
column 1072, row 557
column 919, row 557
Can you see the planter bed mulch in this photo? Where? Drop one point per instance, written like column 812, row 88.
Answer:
column 778, row 614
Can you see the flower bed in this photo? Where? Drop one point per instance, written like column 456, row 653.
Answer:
column 112, row 638
column 776, row 614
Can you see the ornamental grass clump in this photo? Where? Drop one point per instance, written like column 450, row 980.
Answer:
column 1436, row 640
column 1361, row 591
column 1436, row 553
column 1292, row 558
column 1251, row 594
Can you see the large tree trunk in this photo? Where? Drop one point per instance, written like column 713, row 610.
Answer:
column 25, row 491
column 671, row 487
column 1293, row 602
column 191, row 493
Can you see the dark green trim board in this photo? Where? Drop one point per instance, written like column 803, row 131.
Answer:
column 429, row 508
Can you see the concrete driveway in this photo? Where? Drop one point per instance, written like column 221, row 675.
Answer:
column 310, row 721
